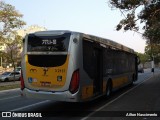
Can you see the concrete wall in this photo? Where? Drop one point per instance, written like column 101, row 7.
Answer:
column 148, row 65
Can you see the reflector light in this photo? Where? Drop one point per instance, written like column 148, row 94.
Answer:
column 74, row 84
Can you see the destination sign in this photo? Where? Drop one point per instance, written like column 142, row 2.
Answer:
column 49, row 42
column 57, row 43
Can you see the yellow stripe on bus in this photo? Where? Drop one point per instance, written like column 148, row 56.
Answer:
column 119, row 81
column 87, row 91
column 104, row 86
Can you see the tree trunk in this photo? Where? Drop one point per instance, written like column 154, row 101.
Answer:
column 13, row 63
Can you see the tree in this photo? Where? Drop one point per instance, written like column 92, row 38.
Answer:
column 10, row 19
column 13, row 48
column 153, row 51
column 148, row 17
column 143, row 57
column 10, row 22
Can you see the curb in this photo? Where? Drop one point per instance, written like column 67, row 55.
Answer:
column 16, row 89
column 9, row 83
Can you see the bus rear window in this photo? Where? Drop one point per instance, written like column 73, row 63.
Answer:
column 57, row 43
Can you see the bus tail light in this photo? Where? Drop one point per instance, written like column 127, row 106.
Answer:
column 74, row 84
column 22, row 81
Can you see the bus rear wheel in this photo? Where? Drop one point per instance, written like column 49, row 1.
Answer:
column 108, row 88
column 133, row 79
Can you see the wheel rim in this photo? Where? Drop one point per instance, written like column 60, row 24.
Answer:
column 108, row 90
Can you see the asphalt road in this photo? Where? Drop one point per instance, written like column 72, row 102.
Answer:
column 140, row 98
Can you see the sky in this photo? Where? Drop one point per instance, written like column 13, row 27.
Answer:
column 93, row 17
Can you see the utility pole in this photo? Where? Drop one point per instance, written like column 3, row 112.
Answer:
column 152, row 58
column 152, row 64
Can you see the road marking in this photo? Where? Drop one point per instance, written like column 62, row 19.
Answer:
column 28, row 106
column 9, row 97
column 114, row 99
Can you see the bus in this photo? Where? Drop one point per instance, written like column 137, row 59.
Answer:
column 74, row 67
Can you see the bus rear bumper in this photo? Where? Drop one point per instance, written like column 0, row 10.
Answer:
column 57, row 96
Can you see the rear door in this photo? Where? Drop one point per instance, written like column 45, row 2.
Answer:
column 97, row 63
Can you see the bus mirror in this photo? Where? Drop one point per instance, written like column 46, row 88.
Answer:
column 75, row 40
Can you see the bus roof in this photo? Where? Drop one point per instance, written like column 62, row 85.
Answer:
column 108, row 42
column 103, row 41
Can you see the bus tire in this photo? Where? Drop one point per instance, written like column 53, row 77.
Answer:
column 6, row 80
column 108, row 88
column 133, row 79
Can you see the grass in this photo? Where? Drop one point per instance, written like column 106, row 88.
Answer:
column 7, row 87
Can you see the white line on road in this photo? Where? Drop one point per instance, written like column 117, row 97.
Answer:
column 114, row 100
column 9, row 97
column 28, row 106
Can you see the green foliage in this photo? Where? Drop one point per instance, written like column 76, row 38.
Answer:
column 143, row 57
column 153, row 50
column 10, row 19
column 149, row 16
column 10, row 22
